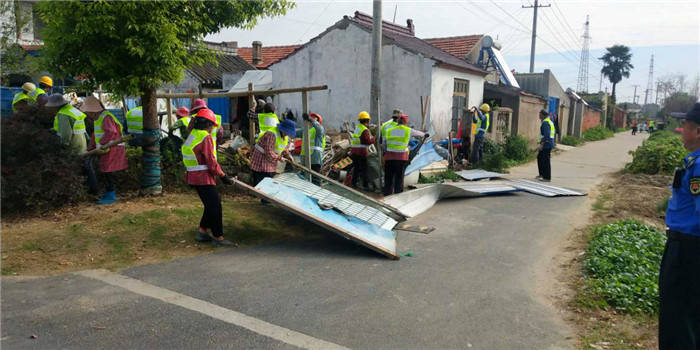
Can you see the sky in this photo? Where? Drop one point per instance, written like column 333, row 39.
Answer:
column 668, row 29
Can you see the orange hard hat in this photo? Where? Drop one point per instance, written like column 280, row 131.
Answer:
column 317, row 116
column 207, row 114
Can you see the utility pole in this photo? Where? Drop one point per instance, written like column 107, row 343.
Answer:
column 658, row 90
column 376, row 84
column 600, row 88
column 534, row 34
column 634, row 97
column 650, row 81
column 605, row 108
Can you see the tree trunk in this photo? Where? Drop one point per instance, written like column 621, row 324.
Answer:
column 150, row 180
column 613, row 90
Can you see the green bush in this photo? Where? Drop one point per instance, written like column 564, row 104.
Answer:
column 571, row 140
column 38, row 172
column 516, row 148
column 623, row 261
column 597, row 133
column 495, row 162
column 439, row 177
column 661, row 153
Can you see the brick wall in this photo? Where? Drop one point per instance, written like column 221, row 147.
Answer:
column 591, row 118
column 620, row 118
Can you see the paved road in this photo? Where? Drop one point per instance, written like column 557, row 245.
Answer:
column 475, row 282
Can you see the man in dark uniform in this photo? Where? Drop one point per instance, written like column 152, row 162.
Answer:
column 679, row 279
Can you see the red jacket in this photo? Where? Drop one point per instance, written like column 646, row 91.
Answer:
column 365, row 139
column 205, row 155
column 115, row 159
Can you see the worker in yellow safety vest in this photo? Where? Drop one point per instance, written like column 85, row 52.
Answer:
column 396, row 156
column 271, row 147
column 361, row 139
column 390, row 124
column 267, row 120
column 481, row 120
column 43, row 91
column 547, row 132
column 23, row 99
column 317, row 142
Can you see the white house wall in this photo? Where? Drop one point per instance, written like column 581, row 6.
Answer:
column 441, row 97
column 341, row 59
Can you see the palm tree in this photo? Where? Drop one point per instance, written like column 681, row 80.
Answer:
column 616, row 64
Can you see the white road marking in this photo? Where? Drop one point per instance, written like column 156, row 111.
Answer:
column 229, row 316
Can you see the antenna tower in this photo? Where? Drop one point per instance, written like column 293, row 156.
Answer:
column 582, row 85
column 650, row 82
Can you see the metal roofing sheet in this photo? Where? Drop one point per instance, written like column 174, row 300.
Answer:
column 290, row 199
column 421, row 199
column 329, row 199
column 542, row 189
column 477, row 174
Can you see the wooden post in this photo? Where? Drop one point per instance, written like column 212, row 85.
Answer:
column 305, row 143
column 99, row 93
column 168, row 108
column 251, row 127
column 450, row 149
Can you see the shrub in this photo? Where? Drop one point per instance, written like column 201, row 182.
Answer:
column 571, row 140
column 439, row 177
column 661, row 153
column 516, row 148
column 623, row 261
column 495, row 162
column 597, row 133
column 38, row 172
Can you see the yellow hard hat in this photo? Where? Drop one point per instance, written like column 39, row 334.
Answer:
column 485, row 107
column 363, row 116
column 46, row 80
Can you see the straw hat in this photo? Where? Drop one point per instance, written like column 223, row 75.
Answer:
column 56, row 100
column 92, row 105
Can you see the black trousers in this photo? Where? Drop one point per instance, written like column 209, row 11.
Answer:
column 109, row 181
column 89, row 172
column 315, row 179
column 359, row 169
column 259, row 176
column 393, row 176
column 543, row 163
column 477, row 150
column 212, row 217
column 679, row 288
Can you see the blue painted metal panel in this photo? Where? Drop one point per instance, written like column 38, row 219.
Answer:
column 369, row 235
column 425, row 156
column 6, row 96
column 220, row 105
column 553, row 105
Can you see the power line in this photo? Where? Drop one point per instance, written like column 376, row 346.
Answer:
column 564, row 43
column 534, row 32
column 566, row 25
column 315, row 20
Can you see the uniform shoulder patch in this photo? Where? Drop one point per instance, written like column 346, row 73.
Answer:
column 695, row 185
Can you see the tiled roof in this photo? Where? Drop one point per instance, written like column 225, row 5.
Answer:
column 270, row 54
column 210, row 74
column 458, row 46
column 406, row 40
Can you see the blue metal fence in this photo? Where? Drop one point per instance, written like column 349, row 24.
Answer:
column 220, row 105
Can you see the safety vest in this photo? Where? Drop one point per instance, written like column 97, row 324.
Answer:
column 19, row 97
column 397, row 139
column 214, row 132
column 76, row 114
column 388, row 125
column 98, row 125
column 480, row 127
column 35, row 93
column 312, row 143
column 188, row 158
column 651, row 123
column 280, row 144
column 134, row 119
column 267, row 122
column 355, row 142
column 552, row 131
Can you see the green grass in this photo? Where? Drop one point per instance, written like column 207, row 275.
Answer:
column 597, row 133
column 571, row 140
column 439, row 177
column 622, row 263
column 601, row 202
column 662, row 207
column 30, row 246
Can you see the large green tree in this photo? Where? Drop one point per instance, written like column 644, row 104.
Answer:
column 616, row 64
column 132, row 47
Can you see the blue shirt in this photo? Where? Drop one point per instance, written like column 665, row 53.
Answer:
column 546, row 138
column 481, row 116
column 683, row 214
